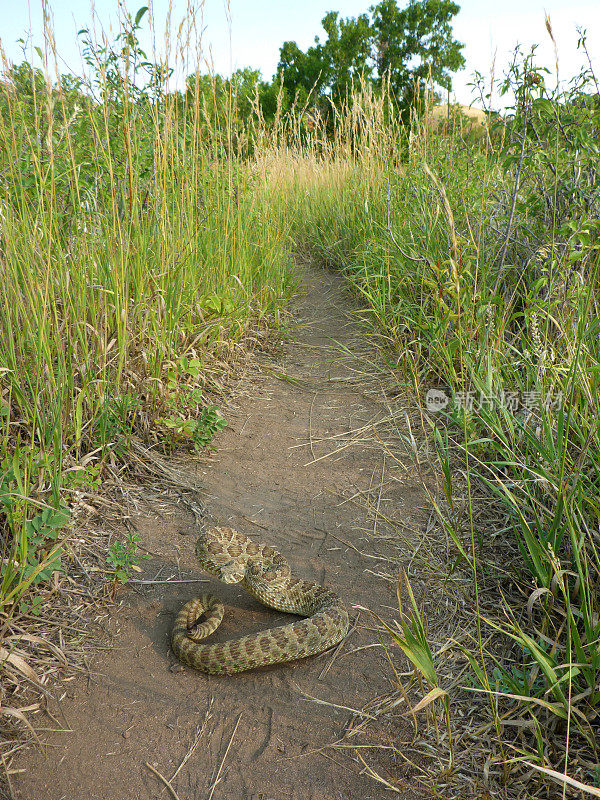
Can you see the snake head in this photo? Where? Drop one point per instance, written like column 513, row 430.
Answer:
column 266, row 574
column 230, row 572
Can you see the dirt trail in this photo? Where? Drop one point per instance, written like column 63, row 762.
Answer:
column 259, row 735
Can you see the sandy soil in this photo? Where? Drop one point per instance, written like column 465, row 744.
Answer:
column 280, row 476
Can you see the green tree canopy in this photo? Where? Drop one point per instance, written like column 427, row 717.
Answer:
column 414, row 42
column 407, row 44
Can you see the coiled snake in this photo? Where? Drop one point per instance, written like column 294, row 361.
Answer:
column 266, row 575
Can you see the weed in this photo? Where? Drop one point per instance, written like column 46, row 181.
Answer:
column 124, row 557
column 201, row 431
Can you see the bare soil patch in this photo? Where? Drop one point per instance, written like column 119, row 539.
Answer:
column 298, row 453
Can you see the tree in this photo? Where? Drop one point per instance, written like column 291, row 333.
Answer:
column 236, row 97
column 421, row 32
column 303, row 73
column 347, row 52
column 406, row 46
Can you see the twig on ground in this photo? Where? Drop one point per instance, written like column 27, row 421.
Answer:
column 333, row 705
column 174, row 794
column 8, row 780
column 310, row 437
column 218, row 776
column 338, row 649
column 167, row 580
column 199, row 732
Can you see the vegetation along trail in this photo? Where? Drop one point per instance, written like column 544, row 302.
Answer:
column 298, row 452
column 430, row 450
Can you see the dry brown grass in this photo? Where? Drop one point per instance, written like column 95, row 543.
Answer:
column 468, row 116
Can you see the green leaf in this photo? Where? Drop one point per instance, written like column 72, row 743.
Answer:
column 58, row 518
column 140, row 14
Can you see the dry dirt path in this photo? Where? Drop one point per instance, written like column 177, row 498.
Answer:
column 280, row 474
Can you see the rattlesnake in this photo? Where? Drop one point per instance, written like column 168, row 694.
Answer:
column 266, row 575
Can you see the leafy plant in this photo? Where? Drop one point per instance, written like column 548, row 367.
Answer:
column 208, row 424
column 402, row 48
column 124, row 557
column 88, row 477
column 35, row 553
column 200, row 430
column 116, row 418
column 42, row 532
column 411, row 638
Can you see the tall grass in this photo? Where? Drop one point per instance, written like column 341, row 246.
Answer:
column 135, row 247
column 143, row 231
column 478, row 254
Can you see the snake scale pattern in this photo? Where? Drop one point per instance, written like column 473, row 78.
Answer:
column 266, row 575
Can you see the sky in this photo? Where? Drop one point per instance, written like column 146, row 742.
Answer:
column 250, row 32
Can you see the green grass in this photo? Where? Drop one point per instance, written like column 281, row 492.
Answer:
column 134, row 253
column 478, row 258
column 143, row 235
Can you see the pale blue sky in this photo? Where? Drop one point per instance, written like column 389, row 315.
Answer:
column 488, row 28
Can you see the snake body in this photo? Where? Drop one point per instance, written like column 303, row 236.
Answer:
column 266, row 575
